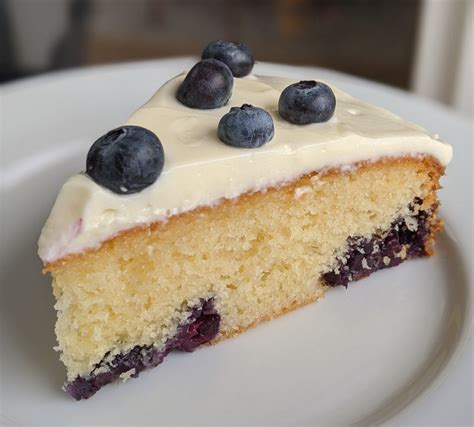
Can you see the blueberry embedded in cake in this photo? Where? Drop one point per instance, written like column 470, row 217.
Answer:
column 199, row 328
column 226, row 201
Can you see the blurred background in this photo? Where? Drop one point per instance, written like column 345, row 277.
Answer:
column 425, row 46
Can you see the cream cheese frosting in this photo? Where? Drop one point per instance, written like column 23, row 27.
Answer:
column 200, row 170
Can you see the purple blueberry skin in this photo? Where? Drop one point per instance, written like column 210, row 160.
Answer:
column 307, row 102
column 207, row 85
column 236, row 56
column 126, row 160
column 246, row 127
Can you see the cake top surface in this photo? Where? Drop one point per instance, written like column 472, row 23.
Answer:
column 199, row 169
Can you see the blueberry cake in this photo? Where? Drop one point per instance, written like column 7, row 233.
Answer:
column 226, row 200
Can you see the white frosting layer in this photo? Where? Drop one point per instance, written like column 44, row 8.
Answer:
column 199, row 169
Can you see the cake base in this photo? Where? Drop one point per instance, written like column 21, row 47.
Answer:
column 364, row 256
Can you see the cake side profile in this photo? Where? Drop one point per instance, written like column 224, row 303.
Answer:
column 234, row 224
column 256, row 257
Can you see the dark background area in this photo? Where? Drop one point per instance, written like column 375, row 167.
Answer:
column 369, row 38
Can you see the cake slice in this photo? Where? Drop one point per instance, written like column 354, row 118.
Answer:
column 223, row 237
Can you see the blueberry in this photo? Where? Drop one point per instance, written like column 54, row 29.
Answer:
column 237, row 56
column 126, row 160
column 246, row 127
column 307, row 102
column 208, row 85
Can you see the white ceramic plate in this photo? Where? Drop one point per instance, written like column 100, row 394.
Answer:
column 393, row 348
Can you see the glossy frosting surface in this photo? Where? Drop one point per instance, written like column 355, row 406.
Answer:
column 200, row 170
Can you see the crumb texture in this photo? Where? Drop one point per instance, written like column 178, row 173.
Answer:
column 255, row 257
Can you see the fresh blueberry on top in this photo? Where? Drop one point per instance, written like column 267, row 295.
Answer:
column 207, row 85
column 307, row 102
column 126, row 160
column 246, row 127
column 236, row 56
